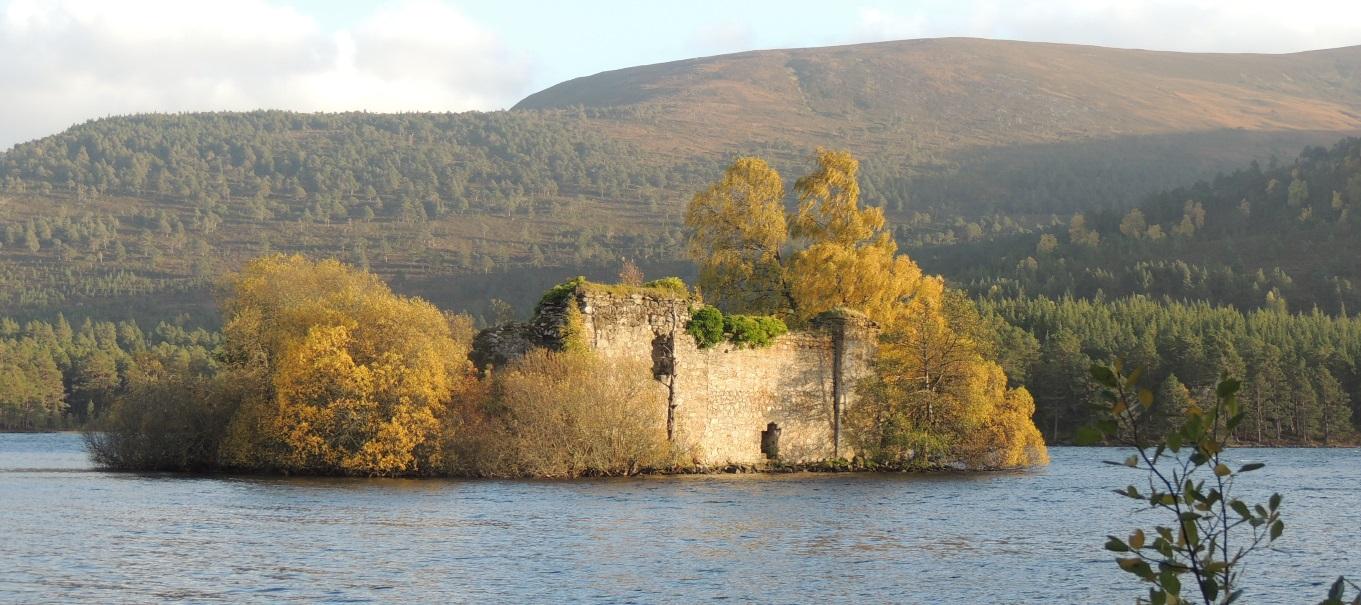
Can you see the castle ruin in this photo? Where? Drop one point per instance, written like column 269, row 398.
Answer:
column 727, row 403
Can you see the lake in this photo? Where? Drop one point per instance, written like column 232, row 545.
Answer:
column 69, row 532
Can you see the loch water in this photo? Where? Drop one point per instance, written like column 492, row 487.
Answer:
column 72, row 533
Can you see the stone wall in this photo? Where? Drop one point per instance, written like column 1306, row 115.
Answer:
column 726, row 397
column 723, row 399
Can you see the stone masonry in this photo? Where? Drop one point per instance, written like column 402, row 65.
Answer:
column 727, row 404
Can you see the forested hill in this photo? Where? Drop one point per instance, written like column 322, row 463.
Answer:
column 962, row 140
column 1282, row 236
column 148, row 209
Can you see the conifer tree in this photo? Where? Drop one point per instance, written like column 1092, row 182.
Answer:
column 1335, row 411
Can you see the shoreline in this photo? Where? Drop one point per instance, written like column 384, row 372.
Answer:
column 52, row 432
column 828, row 467
column 1266, row 445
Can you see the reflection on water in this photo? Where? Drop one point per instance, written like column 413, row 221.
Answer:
column 72, row 533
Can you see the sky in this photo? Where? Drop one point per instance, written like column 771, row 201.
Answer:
column 63, row 62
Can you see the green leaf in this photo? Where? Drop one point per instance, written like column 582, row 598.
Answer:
column 1275, row 501
column 1251, row 466
column 1170, row 582
column 1192, row 429
column 1222, row 470
column 1108, row 426
column 1277, row 529
column 1242, row 509
column 1136, row 566
column 1115, row 544
column 1164, row 547
column 1232, row 408
column 1236, row 420
column 1088, row 435
column 1210, row 589
column 1227, row 388
column 1103, row 375
column 1215, row 497
column 1173, row 440
column 1339, row 587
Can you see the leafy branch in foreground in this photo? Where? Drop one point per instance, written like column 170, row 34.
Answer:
column 1211, row 532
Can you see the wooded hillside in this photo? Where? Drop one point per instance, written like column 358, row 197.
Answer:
column 965, row 141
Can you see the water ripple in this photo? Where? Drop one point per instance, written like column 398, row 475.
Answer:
column 73, row 534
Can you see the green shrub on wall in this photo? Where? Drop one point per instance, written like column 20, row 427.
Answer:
column 706, row 325
column 559, row 293
column 753, row 330
column 673, row 285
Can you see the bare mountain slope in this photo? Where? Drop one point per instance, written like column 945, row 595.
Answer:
column 958, row 93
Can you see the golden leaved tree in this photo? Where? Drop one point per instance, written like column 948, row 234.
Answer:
column 850, row 260
column 737, row 234
column 348, row 376
column 756, row 258
column 938, row 390
column 939, row 394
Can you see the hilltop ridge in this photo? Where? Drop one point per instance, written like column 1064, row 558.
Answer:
column 952, row 93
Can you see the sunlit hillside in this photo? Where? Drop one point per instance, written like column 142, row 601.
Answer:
column 962, row 141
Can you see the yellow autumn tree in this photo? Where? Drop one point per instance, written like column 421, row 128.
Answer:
column 754, row 257
column 849, row 260
column 737, row 231
column 351, row 377
column 829, row 203
column 938, row 393
column 938, row 396
column 1012, row 429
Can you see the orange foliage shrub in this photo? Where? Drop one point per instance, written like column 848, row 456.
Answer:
column 355, row 379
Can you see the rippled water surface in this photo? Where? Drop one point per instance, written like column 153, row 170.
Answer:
column 71, row 533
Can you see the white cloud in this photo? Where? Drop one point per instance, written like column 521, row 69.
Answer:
column 1184, row 25
column 66, row 61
